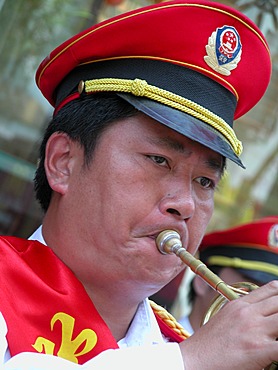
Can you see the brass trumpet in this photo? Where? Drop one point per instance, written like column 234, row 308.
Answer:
column 169, row 242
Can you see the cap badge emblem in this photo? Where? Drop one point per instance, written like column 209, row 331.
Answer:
column 273, row 236
column 223, row 50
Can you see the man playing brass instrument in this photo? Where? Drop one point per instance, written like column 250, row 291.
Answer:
column 144, row 107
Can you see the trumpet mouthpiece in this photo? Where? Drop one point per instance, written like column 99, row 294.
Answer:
column 167, row 241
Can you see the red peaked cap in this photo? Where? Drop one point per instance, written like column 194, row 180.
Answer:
column 207, row 55
column 251, row 248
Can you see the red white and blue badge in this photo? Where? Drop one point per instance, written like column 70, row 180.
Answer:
column 273, row 236
column 223, row 50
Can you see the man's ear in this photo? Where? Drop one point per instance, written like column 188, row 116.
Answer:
column 58, row 161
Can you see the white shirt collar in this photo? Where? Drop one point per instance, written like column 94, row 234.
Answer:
column 144, row 329
column 37, row 235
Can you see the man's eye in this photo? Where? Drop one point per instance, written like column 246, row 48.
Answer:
column 158, row 159
column 205, row 182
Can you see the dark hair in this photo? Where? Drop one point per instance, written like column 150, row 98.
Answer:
column 83, row 120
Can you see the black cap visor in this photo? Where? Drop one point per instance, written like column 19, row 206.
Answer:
column 185, row 124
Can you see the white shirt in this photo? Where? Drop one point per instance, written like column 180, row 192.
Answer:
column 143, row 347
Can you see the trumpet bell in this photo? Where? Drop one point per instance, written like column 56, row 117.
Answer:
column 241, row 288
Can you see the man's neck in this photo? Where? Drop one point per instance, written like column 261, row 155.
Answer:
column 119, row 314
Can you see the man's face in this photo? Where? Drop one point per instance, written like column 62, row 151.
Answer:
column 144, row 178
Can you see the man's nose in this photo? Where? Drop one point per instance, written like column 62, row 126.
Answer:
column 178, row 203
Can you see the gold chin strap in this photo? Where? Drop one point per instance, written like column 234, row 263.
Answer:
column 139, row 87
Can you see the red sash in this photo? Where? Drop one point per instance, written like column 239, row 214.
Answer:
column 46, row 308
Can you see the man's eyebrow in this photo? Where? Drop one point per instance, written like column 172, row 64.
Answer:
column 215, row 163
column 171, row 144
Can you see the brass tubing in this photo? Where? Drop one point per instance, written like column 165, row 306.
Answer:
column 169, row 242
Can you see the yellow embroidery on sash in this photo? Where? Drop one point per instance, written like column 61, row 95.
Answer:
column 86, row 339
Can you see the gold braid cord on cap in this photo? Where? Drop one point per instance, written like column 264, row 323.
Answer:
column 169, row 320
column 139, row 87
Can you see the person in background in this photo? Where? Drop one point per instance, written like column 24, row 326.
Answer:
column 144, row 105
column 246, row 253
